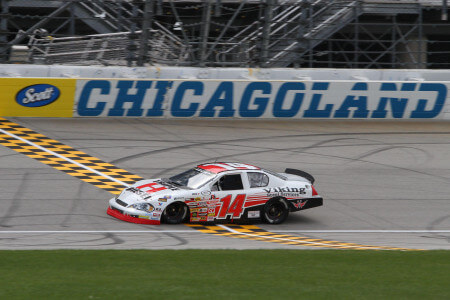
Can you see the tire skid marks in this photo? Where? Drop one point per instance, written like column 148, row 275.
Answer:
column 64, row 158
column 110, row 178
column 256, row 233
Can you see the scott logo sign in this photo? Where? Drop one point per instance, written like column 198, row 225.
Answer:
column 37, row 95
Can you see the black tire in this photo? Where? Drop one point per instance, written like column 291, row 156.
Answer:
column 175, row 213
column 275, row 211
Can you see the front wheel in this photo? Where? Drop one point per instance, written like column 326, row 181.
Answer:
column 175, row 213
column 275, row 211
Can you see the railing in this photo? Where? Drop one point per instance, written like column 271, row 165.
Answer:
column 266, row 33
column 106, row 49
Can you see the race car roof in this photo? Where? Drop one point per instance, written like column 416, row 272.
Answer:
column 226, row 166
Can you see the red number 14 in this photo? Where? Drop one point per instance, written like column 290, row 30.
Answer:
column 235, row 208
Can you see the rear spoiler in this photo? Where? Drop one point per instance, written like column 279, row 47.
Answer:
column 308, row 176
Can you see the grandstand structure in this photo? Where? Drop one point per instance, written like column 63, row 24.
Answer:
column 228, row 33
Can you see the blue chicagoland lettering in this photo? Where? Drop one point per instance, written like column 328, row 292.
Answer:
column 420, row 111
column 278, row 110
column 222, row 97
column 313, row 111
column 197, row 87
column 358, row 102
column 123, row 96
column 260, row 102
column 82, row 109
column 398, row 105
column 221, row 103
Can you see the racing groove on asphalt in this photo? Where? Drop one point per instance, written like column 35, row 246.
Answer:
column 355, row 183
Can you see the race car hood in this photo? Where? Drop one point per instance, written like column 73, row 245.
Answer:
column 151, row 189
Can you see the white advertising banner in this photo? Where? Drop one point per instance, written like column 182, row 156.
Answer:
column 310, row 99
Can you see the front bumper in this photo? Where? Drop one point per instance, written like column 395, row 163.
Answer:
column 132, row 215
column 112, row 211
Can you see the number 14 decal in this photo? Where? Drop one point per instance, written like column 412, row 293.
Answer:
column 234, row 209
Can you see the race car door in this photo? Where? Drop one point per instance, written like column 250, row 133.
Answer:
column 229, row 190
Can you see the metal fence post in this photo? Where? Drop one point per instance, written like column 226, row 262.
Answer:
column 146, row 26
column 266, row 33
column 132, row 46
column 444, row 16
column 4, row 31
column 206, row 20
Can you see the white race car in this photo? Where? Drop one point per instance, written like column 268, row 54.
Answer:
column 217, row 192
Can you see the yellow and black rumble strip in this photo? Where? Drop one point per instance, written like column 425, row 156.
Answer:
column 252, row 232
column 110, row 178
column 64, row 158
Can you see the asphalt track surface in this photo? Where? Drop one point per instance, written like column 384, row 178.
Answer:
column 385, row 184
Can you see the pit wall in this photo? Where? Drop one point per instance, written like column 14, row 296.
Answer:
column 65, row 91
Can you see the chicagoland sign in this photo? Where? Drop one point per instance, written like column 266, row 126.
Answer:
column 261, row 99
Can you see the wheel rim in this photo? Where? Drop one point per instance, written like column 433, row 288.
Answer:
column 174, row 211
column 275, row 211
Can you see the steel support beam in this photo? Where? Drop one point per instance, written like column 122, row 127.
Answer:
column 268, row 15
column 22, row 35
column 145, row 34
column 206, row 21
column 4, row 31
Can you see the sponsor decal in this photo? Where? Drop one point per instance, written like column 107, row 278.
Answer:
column 155, row 216
column 299, row 203
column 152, row 187
column 253, row 214
column 34, row 97
column 37, row 95
column 206, row 193
column 286, row 192
column 167, row 185
column 139, row 192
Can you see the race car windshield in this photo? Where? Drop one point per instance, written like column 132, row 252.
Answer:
column 193, row 178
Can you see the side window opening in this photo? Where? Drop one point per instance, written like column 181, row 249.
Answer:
column 257, row 179
column 231, row 182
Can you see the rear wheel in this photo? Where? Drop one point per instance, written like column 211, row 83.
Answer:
column 275, row 211
column 175, row 213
